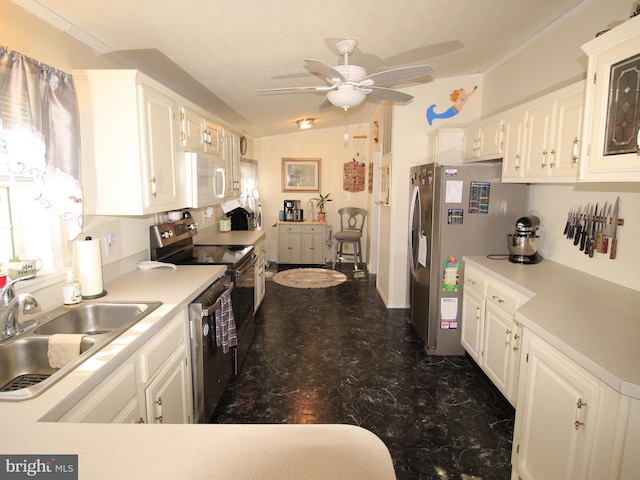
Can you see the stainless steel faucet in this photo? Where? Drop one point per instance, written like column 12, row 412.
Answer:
column 10, row 306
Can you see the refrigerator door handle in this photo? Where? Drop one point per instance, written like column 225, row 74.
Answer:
column 415, row 203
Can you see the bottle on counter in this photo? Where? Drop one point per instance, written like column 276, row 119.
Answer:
column 71, row 290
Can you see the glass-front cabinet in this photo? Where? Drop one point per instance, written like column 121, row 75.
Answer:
column 611, row 151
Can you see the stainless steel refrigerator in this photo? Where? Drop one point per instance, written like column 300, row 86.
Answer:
column 455, row 211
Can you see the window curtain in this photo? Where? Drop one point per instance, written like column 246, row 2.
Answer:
column 39, row 134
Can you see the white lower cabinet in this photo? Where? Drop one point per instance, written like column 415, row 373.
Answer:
column 566, row 419
column 152, row 386
column 490, row 333
column 167, row 398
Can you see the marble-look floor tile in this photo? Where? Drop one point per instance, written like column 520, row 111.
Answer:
column 337, row 355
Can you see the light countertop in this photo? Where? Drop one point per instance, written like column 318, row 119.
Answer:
column 213, row 236
column 592, row 321
column 108, row 451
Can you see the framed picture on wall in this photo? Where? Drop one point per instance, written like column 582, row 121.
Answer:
column 301, row 174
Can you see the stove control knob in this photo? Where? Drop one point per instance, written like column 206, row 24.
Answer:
column 193, row 226
column 167, row 234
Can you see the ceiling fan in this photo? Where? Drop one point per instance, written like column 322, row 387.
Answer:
column 349, row 85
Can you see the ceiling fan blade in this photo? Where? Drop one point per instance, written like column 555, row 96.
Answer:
column 388, row 94
column 319, row 88
column 399, row 75
column 325, row 104
column 326, row 70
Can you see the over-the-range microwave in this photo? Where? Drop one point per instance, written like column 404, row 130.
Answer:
column 205, row 179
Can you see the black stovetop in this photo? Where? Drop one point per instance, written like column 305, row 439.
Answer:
column 211, row 255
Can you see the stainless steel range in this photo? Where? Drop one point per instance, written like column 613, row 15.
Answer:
column 173, row 242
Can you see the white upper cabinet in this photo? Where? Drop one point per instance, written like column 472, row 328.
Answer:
column 129, row 128
column 553, row 136
column 192, row 132
column 542, row 138
column 484, row 141
column 611, row 151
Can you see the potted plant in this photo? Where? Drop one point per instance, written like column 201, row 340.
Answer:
column 321, row 200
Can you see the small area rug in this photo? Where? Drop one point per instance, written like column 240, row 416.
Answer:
column 309, row 278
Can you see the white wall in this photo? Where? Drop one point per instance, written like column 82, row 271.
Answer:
column 409, row 148
column 328, row 145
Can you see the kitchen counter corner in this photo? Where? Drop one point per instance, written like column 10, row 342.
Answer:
column 574, row 311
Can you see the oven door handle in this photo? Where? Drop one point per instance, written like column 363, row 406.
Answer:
column 250, row 264
column 210, row 311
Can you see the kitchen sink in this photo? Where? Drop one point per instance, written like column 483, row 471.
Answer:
column 24, row 364
column 93, row 319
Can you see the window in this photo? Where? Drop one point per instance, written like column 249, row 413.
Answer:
column 27, row 230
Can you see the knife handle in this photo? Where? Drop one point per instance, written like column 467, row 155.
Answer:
column 614, row 245
column 605, row 244
column 583, row 239
column 576, row 239
column 599, row 240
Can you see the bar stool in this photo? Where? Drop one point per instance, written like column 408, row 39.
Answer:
column 351, row 225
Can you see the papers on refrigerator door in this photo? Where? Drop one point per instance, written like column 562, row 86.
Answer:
column 453, row 191
column 448, row 313
column 422, row 249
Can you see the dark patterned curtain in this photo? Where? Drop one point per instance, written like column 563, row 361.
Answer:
column 39, row 134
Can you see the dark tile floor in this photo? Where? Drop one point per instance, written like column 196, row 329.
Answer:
column 337, row 355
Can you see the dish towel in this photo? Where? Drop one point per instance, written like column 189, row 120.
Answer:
column 63, row 348
column 225, row 323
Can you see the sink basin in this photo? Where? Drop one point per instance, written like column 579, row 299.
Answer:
column 93, row 319
column 24, row 365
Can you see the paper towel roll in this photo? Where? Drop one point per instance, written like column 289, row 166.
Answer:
column 87, row 266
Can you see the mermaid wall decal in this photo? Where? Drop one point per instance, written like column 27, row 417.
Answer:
column 459, row 97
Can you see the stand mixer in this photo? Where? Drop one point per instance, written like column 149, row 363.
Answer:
column 523, row 244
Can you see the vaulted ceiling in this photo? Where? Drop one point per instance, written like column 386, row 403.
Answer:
column 218, row 53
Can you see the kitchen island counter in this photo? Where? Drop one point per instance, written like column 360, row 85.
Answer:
column 590, row 320
column 138, row 451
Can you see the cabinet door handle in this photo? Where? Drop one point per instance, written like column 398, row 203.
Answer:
column 544, row 158
column 154, row 187
column 471, row 281
column 574, row 151
column 577, row 423
column 478, row 310
column 515, row 342
column 498, row 299
column 552, row 163
column 159, row 410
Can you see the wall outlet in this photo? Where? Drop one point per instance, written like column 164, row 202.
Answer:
column 110, row 239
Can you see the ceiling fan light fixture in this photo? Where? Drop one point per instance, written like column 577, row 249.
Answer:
column 346, row 98
column 304, row 123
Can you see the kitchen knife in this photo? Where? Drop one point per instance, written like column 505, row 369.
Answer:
column 578, row 232
column 607, row 231
column 591, row 241
column 568, row 224
column 585, row 244
column 584, row 230
column 614, row 228
column 601, row 227
column 575, row 218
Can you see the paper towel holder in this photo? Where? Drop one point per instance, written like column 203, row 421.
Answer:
column 81, row 275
